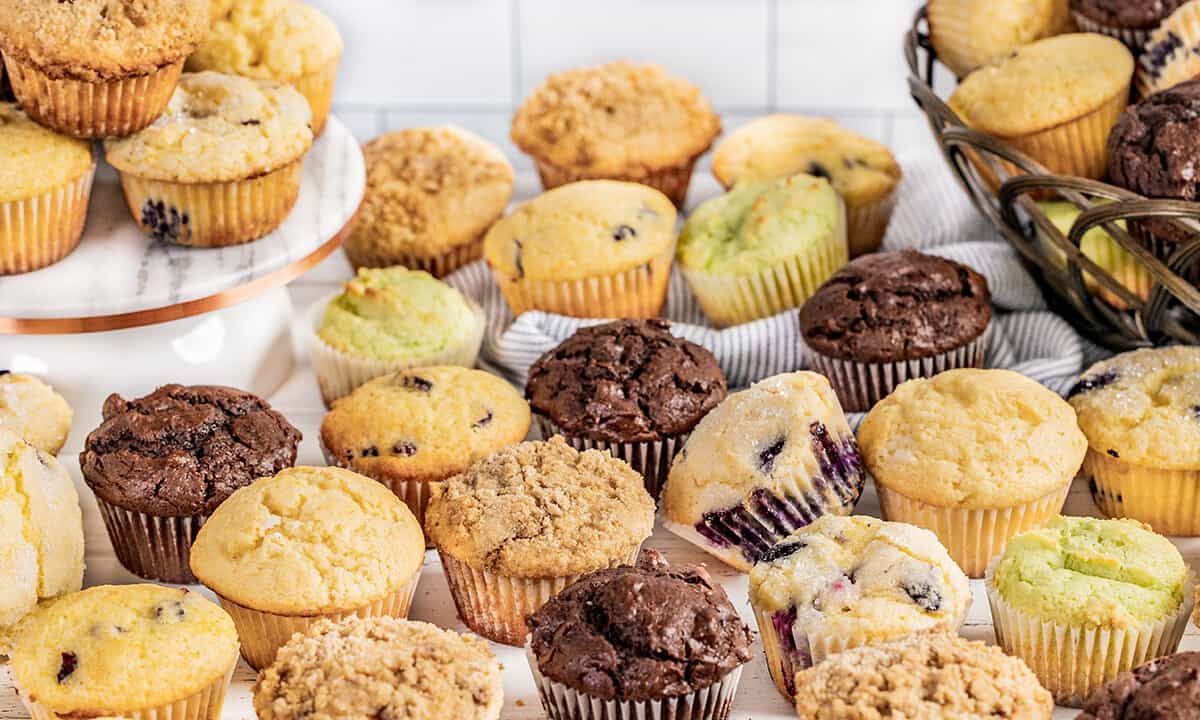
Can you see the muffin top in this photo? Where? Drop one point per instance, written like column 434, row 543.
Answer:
column 1044, row 84
column 183, row 450
column 640, row 633
column 218, row 128
column 935, row 674
column 1143, row 407
column 892, row 306
column 269, row 39
column 761, row 224
column 309, row 541
column 1136, row 14
column 36, row 160
column 1166, row 688
column 969, row 438
column 625, row 381
column 380, row 667
column 541, row 509
column 1094, row 572
column 776, row 146
column 31, row 409
column 970, row 33
column 429, row 190
column 396, row 314
column 424, row 424
column 101, row 651
column 615, row 119
column 1152, row 150
column 97, row 40
column 594, row 227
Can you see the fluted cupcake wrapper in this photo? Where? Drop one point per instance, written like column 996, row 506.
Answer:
column 150, row 546
column 1072, row 662
column 1134, row 38
column 41, row 230
column 867, row 223
column 563, row 702
column 438, row 266
column 650, row 458
column 670, row 181
column 639, row 292
column 1166, row 500
column 317, row 88
column 414, row 493
column 1171, row 55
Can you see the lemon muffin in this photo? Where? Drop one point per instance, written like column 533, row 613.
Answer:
column 41, row 532
column 1099, row 247
column 45, row 184
column 101, row 652
column 1171, row 54
column 413, row 429
column 766, row 461
column 1082, row 599
column 306, row 544
column 864, row 172
column 281, row 40
column 596, row 248
column 34, row 411
column 525, row 522
column 98, row 68
column 221, row 167
column 431, row 195
column 617, row 121
column 969, row 33
column 977, row 456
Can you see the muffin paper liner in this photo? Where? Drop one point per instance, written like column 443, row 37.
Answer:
column 563, row 702
column 867, row 223
column 949, row 26
column 84, row 109
column 339, row 373
column 639, row 292
column 438, row 266
column 651, row 458
column 1166, row 500
column 414, row 493
column 41, row 230
column 1072, row 661
column 860, row 385
column 151, row 546
column 1134, row 38
column 1171, row 54
column 670, row 181
column 495, row 606
column 973, row 537
column 317, row 88
column 1162, row 247
column 213, row 214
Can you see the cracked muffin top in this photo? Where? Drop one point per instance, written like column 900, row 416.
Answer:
column 1136, row 14
column 640, row 633
column 1166, row 688
column 268, row 39
column 541, row 509
column 36, row 160
column 183, row 450
column 34, row 411
column 1152, row 150
column 892, row 306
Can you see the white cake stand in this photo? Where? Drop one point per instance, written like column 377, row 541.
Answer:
column 124, row 313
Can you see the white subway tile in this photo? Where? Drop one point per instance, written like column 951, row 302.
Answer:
column 911, row 133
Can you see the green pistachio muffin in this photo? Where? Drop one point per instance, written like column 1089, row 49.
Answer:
column 1099, row 247
column 34, row 411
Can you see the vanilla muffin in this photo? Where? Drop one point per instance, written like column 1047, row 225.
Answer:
column 977, row 456
column 306, row 544
column 31, row 409
column 766, row 461
column 525, row 522
column 45, row 184
column 596, row 248
column 221, row 167
column 969, row 33
column 101, row 652
column 862, row 171
column 282, row 40
column 97, row 68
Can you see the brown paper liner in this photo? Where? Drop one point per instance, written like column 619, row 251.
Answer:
column 1134, row 38
column 1166, row 500
column 639, row 292
column 438, row 266
column 670, row 181
column 651, row 459
column 317, row 88
column 867, row 223
column 150, row 546
column 40, row 231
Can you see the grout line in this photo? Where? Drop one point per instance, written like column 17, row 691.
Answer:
column 772, row 55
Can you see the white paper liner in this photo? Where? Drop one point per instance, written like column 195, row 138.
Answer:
column 650, row 458
column 1166, row 500
column 1134, row 38
column 41, row 230
column 867, row 223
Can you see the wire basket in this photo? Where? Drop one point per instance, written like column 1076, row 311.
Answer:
column 1109, row 313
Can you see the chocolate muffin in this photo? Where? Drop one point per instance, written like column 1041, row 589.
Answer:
column 1164, row 689
column 160, row 464
column 889, row 317
column 629, row 387
column 1130, row 21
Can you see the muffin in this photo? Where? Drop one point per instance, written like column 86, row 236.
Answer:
column 100, row 652
column 525, row 522
column 413, row 429
column 766, row 461
column 34, row 411
column 1171, row 55
column 161, row 464
column 890, row 317
column 617, row 121
column 304, row 545
column 1099, row 247
column 97, row 68
column 967, row 34
column 279, row 40
column 1082, row 600
column 386, row 320
column 1054, row 100
column 221, row 167
column 588, row 249
column 380, row 668
column 41, row 532
column 1166, row 688
column 45, row 184
column 629, row 387
column 431, row 195
column 931, row 675
column 977, row 456
column 842, row 582
column 653, row 640
column 1139, row 411
column 861, row 170
column 1130, row 21
column 763, row 247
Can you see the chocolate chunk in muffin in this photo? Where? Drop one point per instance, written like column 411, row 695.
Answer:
column 1134, row 14
column 1163, row 689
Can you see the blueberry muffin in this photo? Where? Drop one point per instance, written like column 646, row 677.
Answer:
column 34, row 411
column 1165, row 688
column 1130, row 21
column 1171, row 53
